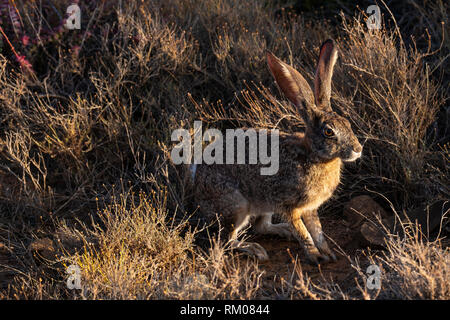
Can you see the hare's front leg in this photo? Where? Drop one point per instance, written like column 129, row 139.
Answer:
column 312, row 223
column 304, row 237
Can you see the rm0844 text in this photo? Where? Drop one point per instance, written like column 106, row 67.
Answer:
column 243, row 309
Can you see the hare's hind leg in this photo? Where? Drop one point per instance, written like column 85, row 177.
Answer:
column 264, row 225
column 241, row 213
column 250, row 248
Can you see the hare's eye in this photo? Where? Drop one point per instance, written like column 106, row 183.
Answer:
column 328, row 132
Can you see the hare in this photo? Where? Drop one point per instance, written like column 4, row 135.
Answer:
column 309, row 169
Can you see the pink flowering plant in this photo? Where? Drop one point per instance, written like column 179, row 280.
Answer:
column 31, row 31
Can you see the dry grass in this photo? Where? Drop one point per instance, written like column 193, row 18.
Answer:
column 145, row 255
column 417, row 269
column 86, row 118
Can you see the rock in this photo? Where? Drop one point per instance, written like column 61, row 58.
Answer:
column 68, row 240
column 363, row 208
column 428, row 218
column 44, row 248
column 373, row 234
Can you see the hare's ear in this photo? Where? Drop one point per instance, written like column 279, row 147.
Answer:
column 293, row 85
column 322, row 83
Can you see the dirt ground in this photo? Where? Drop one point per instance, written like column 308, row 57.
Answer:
column 282, row 254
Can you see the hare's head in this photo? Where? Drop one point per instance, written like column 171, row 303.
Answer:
column 328, row 134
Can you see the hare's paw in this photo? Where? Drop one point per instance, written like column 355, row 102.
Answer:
column 317, row 256
column 327, row 253
column 314, row 255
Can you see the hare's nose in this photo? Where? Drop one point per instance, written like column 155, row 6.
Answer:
column 358, row 148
